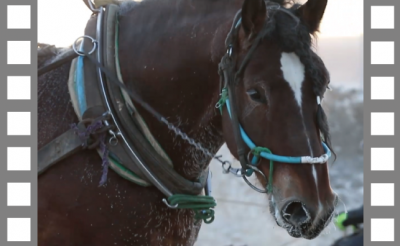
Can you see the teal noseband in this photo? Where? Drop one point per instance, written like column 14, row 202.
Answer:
column 285, row 159
column 230, row 74
column 263, row 152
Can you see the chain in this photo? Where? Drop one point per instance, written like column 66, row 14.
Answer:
column 226, row 165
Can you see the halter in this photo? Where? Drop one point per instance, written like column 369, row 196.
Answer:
column 171, row 183
column 231, row 78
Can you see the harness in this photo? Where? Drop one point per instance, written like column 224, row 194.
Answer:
column 110, row 123
column 107, row 115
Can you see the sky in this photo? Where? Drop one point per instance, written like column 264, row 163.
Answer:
column 343, row 18
column 62, row 22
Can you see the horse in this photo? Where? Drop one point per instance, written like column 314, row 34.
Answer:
column 172, row 50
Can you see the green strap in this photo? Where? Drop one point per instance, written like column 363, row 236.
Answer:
column 256, row 152
column 201, row 205
column 222, row 100
column 339, row 221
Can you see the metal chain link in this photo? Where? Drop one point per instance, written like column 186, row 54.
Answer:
column 198, row 146
column 226, row 165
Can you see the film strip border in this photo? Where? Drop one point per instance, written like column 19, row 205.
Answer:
column 18, row 121
column 381, row 116
column 18, row 97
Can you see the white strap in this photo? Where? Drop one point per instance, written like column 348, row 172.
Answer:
column 318, row 100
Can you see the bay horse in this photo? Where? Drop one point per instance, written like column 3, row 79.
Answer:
column 172, row 50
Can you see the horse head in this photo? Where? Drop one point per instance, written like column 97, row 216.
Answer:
column 276, row 84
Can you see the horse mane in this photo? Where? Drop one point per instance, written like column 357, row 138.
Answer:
column 46, row 53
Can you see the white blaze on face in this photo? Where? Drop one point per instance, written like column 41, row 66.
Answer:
column 294, row 73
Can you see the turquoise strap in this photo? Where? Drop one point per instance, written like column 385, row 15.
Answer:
column 279, row 158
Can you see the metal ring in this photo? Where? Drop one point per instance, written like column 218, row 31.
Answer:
column 226, row 170
column 80, row 53
column 250, row 184
column 168, row 205
column 249, row 161
column 236, row 171
column 113, row 141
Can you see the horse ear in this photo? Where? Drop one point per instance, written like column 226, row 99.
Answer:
column 254, row 13
column 312, row 13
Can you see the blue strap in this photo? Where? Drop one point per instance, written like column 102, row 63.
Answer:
column 270, row 156
column 80, row 85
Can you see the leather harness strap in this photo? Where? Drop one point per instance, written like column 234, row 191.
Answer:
column 60, row 148
column 95, row 100
column 68, row 57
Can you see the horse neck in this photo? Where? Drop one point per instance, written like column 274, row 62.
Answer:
column 179, row 78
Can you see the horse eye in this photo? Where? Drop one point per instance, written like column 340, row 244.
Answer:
column 255, row 95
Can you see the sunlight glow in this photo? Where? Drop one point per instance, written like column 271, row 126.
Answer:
column 343, row 18
column 62, row 22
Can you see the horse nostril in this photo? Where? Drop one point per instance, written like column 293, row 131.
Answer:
column 296, row 214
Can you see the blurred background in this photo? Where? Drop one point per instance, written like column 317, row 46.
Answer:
column 244, row 220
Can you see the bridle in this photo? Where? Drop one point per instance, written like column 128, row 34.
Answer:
column 231, row 78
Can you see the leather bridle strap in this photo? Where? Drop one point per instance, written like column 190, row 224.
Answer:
column 230, row 84
column 228, row 65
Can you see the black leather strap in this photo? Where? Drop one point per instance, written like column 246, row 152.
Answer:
column 68, row 57
column 228, row 65
column 58, row 149
column 69, row 143
column 131, row 130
